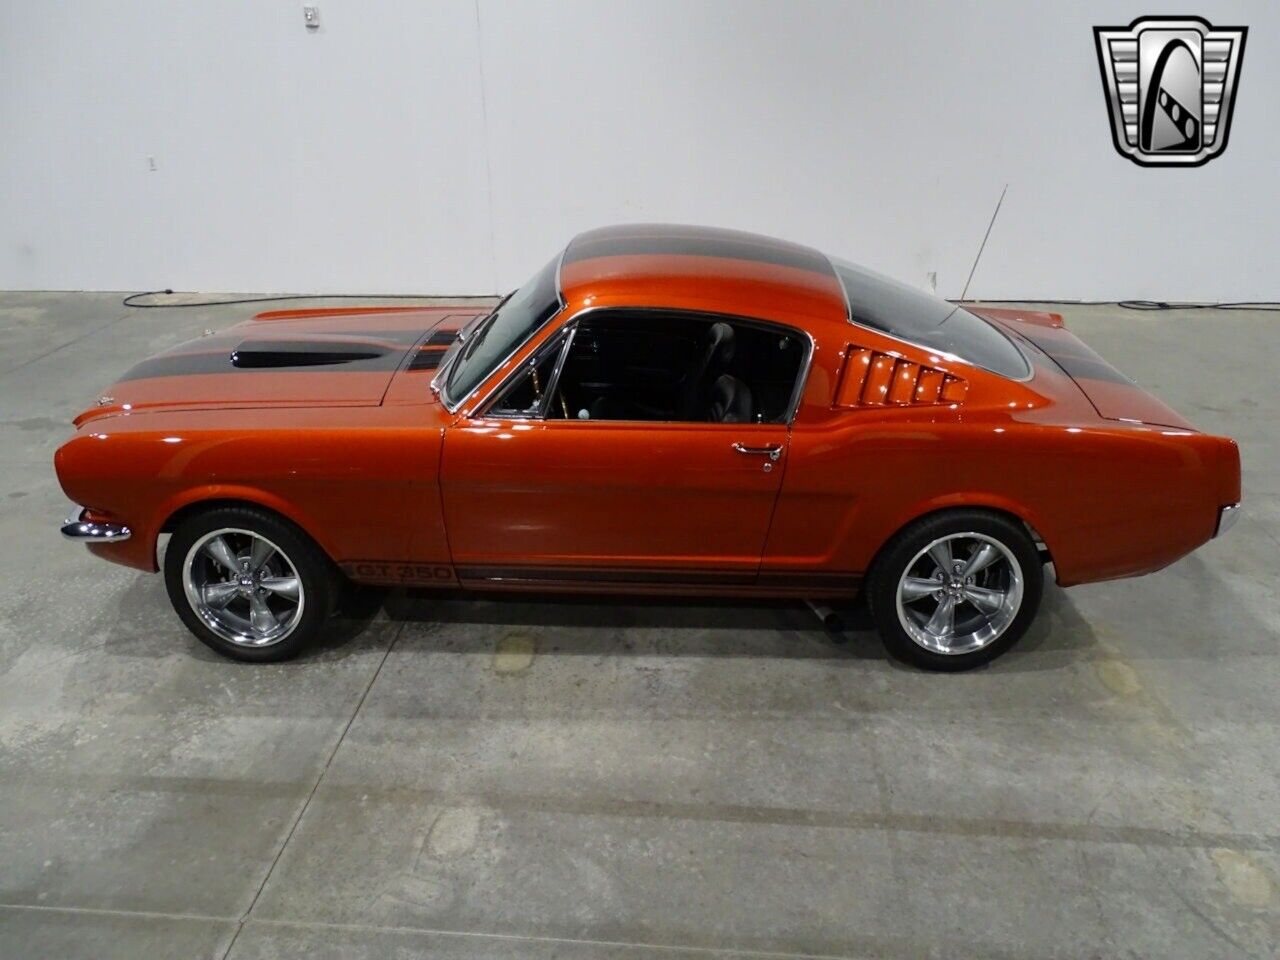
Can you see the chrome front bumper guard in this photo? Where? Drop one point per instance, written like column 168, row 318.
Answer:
column 1227, row 516
column 75, row 527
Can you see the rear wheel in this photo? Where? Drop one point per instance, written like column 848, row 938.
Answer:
column 956, row 590
column 247, row 583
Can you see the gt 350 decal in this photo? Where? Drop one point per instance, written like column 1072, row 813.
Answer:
column 398, row 573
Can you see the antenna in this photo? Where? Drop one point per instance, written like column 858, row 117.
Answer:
column 984, row 243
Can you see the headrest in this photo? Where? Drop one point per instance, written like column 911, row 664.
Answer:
column 720, row 343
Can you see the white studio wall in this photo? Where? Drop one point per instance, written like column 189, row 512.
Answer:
column 450, row 147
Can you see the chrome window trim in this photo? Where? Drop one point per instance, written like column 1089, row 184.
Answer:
column 457, row 405
column 437, row 382
column 472, row 408
column 559, row 269
column 849, row 317
column 554, row 382
column 452, row 351
column 564, row 336
column 481, row 409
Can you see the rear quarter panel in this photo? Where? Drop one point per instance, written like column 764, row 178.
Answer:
column 1108, row 501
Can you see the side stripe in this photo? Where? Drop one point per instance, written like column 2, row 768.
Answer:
column 598, row 578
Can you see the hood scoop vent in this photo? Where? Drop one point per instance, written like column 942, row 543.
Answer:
column 275, row 354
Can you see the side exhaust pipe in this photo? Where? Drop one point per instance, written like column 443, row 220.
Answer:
column 831, row 621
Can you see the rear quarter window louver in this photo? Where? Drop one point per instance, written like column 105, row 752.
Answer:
column 870, row 378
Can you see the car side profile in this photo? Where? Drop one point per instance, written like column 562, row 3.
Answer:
column 660, row 409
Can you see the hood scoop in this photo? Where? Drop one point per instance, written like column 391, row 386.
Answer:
column 274, row 354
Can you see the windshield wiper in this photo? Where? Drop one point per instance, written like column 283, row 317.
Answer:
column 475, row 326
column 469, row 337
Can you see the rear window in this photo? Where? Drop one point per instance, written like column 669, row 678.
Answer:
column 884, row 304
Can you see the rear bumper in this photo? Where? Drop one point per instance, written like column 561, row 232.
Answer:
column 1227, row 516
column 78, row 527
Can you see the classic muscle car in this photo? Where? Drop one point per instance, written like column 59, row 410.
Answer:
column 659, row 409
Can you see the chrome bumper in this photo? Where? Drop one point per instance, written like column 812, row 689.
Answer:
column 1227, row 516
column 75, row 527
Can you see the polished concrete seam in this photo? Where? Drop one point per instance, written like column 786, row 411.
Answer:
column 540, row 938
column 112, row 912
column 421, row 931
column 1204, row 918
column 74, row 340
column 314, row 787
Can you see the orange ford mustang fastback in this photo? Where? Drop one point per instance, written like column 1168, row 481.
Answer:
column 662, row 410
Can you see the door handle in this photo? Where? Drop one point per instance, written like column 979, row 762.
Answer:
column 771, row 450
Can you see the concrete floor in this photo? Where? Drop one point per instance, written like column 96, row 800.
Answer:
column 624, row 780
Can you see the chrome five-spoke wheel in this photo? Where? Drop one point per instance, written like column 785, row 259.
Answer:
column 243, row 587
column 960, row 593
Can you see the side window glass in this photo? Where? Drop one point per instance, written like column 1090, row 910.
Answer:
column 638, row 365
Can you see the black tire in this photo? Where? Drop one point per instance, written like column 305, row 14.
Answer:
column 316, row 572
column 891, row 565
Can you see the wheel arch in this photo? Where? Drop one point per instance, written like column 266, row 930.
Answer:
column 957, row 503
column 194, row 502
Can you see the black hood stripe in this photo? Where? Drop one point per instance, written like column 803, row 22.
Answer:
column 334, row 351
column 235, row 337
column 426, row 359
column 1079, row 367
column 191, row 364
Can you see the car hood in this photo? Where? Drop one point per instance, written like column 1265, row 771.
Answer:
column 324, row 357
column 1113, row 395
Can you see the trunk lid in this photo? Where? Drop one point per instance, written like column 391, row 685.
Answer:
column 1113, row 395
column 321, row 357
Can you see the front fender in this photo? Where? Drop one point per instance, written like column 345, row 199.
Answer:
column 362, row 482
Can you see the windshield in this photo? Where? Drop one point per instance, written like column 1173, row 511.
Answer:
column 884, row 304
column 512, row 322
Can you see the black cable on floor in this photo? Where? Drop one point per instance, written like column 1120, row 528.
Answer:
column 1176, row 305
column 1264, row 305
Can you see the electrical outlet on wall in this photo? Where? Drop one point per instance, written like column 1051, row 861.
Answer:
column 311, row 16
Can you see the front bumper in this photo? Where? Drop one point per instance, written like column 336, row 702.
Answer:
column 78, row 527
column 1227, row 516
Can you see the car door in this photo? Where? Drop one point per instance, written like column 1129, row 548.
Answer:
column 531, row 498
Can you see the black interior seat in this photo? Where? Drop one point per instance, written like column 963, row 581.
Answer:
column 718, row 349
column 729, row 401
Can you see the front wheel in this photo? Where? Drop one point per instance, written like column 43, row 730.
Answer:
column 247, row 583
column 955, row 590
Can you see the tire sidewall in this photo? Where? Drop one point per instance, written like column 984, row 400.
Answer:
column 309, row 563
column 903, row 548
